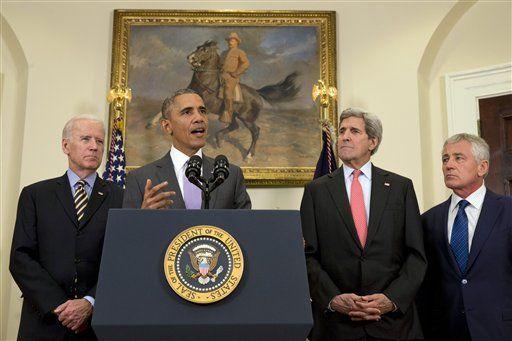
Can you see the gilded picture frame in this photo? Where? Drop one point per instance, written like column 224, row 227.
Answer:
column 278, row 141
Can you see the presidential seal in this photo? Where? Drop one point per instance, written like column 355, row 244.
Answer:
column 203, row 264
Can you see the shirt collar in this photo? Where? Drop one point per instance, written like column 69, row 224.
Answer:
column 475, row 199
column 73, row 178
column 366, row 169
column 180, row 159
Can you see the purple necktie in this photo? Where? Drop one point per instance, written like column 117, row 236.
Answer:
column 191, row 195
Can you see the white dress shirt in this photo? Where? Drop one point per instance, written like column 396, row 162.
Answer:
column 179, row 161
column 476, row 200
column 365, row 179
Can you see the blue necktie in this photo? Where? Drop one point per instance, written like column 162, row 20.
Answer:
column 459, row 241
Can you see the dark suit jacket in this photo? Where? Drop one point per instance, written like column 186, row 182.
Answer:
column 50, row 247
column 231, row 194
column 485, row 301
column 392, row 262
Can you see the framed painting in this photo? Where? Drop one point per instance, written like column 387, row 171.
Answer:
column 274, row 133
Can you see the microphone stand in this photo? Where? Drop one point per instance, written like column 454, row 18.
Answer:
column 207, row 186
column 219, row 175
column 203, row 185
column 207, row 192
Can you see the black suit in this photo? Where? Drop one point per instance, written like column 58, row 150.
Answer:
column 477, row 305
column 392, row 261
column 231, row 194
column 50, row 248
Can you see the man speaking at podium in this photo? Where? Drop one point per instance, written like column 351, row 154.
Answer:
column 163, row 184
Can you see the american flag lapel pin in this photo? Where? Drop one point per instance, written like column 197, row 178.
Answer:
column 387, row 184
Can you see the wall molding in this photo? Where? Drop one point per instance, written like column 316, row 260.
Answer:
column 465, row 88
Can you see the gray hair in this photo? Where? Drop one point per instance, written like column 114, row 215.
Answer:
column 479, row 147
column 70, row 125
column 372, row 124
column 170, row 101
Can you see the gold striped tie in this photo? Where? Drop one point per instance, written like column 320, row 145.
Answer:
column 80, row 199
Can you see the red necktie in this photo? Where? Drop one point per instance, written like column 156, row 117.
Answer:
column 357, row 207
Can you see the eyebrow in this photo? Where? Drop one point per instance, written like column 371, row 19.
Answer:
column 189, row 108
column 455, row 154
column 185, row 109
column 90, row 136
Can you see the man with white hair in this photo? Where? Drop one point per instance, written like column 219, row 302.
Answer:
column 363, row 243
column 58, row 239
column 467, row 293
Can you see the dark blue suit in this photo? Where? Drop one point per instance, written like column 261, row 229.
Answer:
column 477, row 305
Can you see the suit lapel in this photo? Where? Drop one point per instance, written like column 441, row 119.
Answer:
column 207, row 172
column 165, row 172
column 100, row 192
column 338, row 193
column 491, row 210
column 378, row 200
column 63, row 192
column 442, row 226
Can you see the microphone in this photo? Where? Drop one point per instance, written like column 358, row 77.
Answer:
column 193, row 170
column 220, row 168
column 220, row 173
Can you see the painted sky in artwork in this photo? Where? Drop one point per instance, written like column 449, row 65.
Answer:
column 158, row 56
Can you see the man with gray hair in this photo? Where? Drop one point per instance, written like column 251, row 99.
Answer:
column 58, row 239
column 363, row 243
column 163, row 184
column 467, row 293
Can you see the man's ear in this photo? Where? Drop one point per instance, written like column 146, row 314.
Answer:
column 65, row 146
column 166, row 126
column 483, row 168
column 373, row 144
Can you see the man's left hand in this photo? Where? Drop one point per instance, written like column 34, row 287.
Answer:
column 74, row 314
column 377, row 301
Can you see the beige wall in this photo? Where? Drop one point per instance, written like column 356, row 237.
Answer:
column 482, row 37
column 67, row 47
column 13, row 89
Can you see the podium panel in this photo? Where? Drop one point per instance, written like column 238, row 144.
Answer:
column 135, row 302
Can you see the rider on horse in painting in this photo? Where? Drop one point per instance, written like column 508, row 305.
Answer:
column 233, row 64
column 209, row 74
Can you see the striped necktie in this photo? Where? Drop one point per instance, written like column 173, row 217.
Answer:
column 80, row 199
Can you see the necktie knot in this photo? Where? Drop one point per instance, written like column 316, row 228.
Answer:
column 356, row 173
column 80, row 184
column 463, row 204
